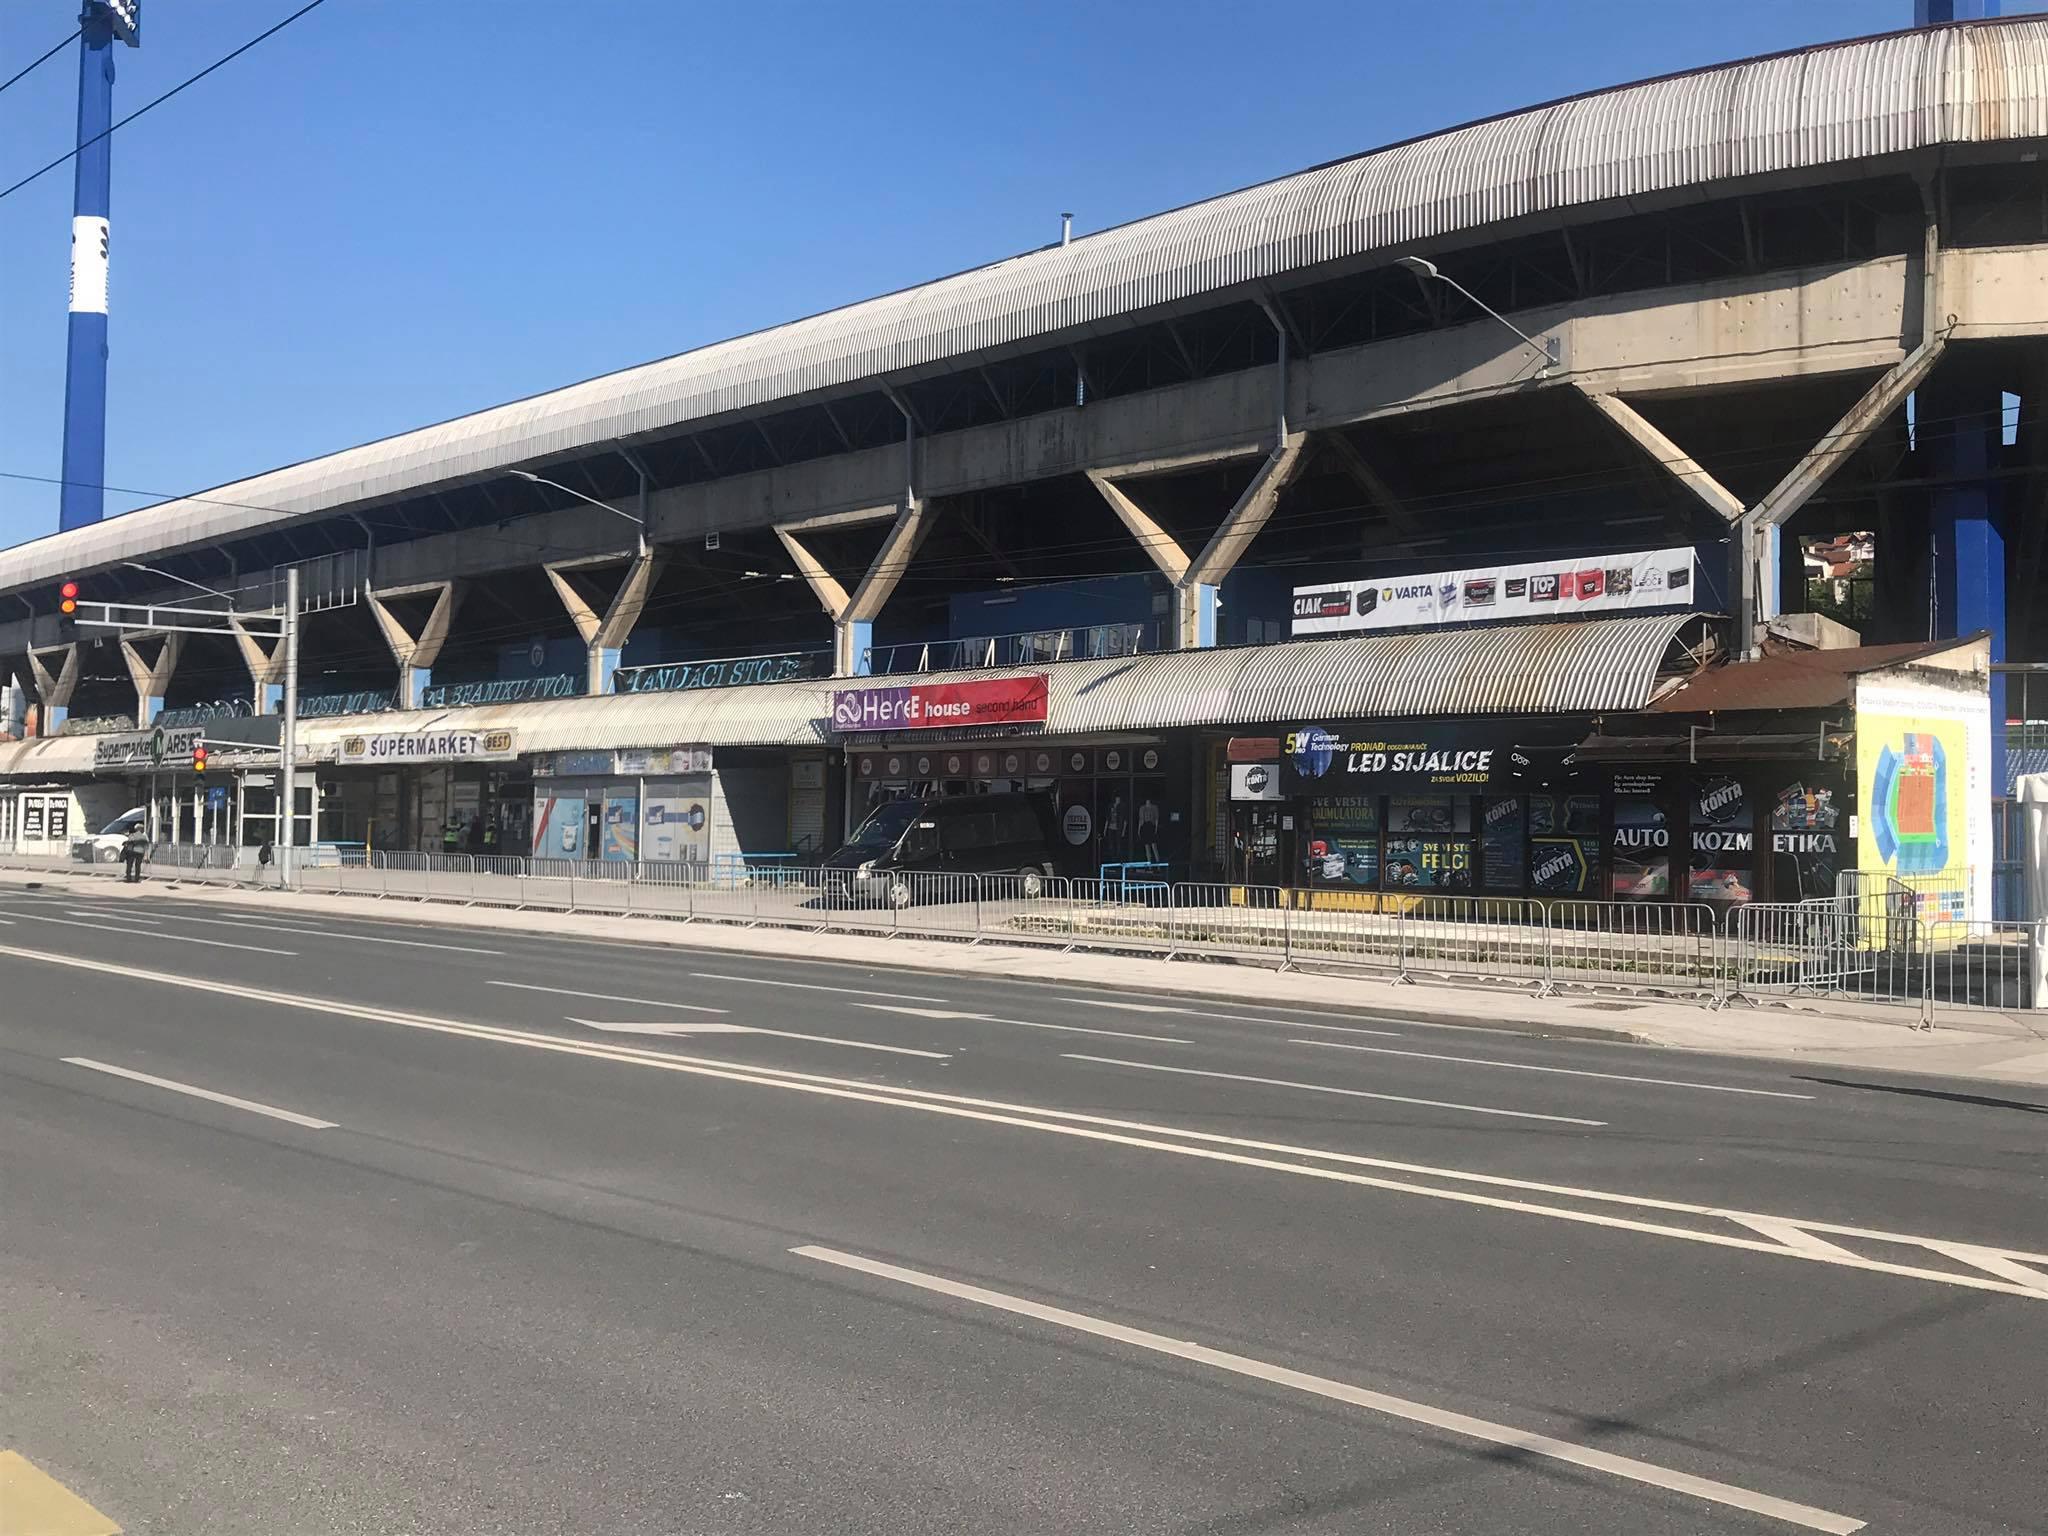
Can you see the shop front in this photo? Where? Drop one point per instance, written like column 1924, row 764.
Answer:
column 1118, row 797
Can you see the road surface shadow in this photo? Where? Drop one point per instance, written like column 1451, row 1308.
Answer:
column 1980, row 1099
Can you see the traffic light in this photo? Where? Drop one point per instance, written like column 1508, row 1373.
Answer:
column 67, row 611
column 199, row 758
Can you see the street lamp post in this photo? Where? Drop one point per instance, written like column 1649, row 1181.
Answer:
column 569, row 490
column 1547, row 348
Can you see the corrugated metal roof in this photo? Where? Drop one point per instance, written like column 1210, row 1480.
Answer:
column 1793, row 679
column 1581, row 667
column 1978, row 83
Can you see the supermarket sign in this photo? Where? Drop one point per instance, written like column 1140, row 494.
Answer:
column 940, row 706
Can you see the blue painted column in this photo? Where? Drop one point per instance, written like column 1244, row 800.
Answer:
column 1959, row 430
column 81, row 499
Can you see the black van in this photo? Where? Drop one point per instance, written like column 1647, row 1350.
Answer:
column 897, row 851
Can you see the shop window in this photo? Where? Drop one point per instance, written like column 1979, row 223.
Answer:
column 1343, row 847
column 1428, row 814
column 1723, row 841
column 1641, row 837
column 1429, row 863
column 1806, row 850
column 1504, row 827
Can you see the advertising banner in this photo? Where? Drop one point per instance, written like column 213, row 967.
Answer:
column 429, row 747
column 1339, row 759
column 1923, row 765
column 941, row 706
column 1541, row 589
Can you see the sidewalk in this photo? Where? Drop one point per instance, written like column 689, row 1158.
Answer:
column 1995, row 1047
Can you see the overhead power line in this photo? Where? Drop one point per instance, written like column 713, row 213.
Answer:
column 72, row 154
column 43, row 60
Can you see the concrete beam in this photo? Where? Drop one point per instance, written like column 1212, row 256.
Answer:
column 151, row 677
column 1161, row 546
column 1254, row 507
column 1673, row 459
column 266, row 668
column 824, row 585
column 605, row 635
column 53, row 690
column 854, row 518
column 415, row 654
column 899, row 545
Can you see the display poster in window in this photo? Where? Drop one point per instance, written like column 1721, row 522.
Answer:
column 1429, row 863
column 1582, row 815
column 1502, row 828
column 60, row 820
column 1805, row 819
column 1723, row 841
column 1564, row 866
column 675, row 824
column 1542, row 815
column 1344, row 847
column 558, row 826
column 621, row 827
column 1429, row 813
column 32, row 821
column 1640, row 838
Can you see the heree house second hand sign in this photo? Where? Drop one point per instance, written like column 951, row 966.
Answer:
column 429, row 747
column 148, row 749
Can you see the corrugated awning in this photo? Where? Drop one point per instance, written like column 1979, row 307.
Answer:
column 50, row 754
column 1584, row 667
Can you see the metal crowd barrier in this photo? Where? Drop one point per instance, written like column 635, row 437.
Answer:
column 1852, row 946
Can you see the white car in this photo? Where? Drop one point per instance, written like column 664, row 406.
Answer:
column 104, row 846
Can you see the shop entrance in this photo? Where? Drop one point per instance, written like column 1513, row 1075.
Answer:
column 1261, row 844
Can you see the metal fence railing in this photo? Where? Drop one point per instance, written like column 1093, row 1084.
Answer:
column 1861, row 945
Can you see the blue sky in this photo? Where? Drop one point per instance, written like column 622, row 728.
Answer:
column 396, row 211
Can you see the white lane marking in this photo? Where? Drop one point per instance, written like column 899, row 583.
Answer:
column 1206, row 1016
column 989, row 1018
column 1993, row 1262
column 667, row 1027
column 1523, row 1066
column 330, row 933
column 125, row 916
column 203, row 1093
column 608, row 997
column 1522, row 1441
column 1349, row 1093
column 1246, row 1018
column 811, row 986
column 1794, row 1236
column 1103, row 1002
column 712, row 1027
column 158, row 933
column 1209, row 1146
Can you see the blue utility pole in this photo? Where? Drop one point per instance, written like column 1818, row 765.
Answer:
column 81, row 499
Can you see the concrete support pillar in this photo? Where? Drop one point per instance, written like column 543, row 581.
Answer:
column 1195, row 580
column 54, row 689
column 853, row 616
column 604, row 636
column 1959, row 429
column 151, row 675
column 415, row 654
column 266, row 669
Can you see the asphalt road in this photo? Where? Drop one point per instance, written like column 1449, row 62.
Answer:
column 506, row 1232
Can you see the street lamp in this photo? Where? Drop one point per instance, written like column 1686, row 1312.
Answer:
column 569, row 490
column 1546, row 349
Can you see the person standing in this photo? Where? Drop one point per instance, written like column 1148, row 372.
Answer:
column 134, row 849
